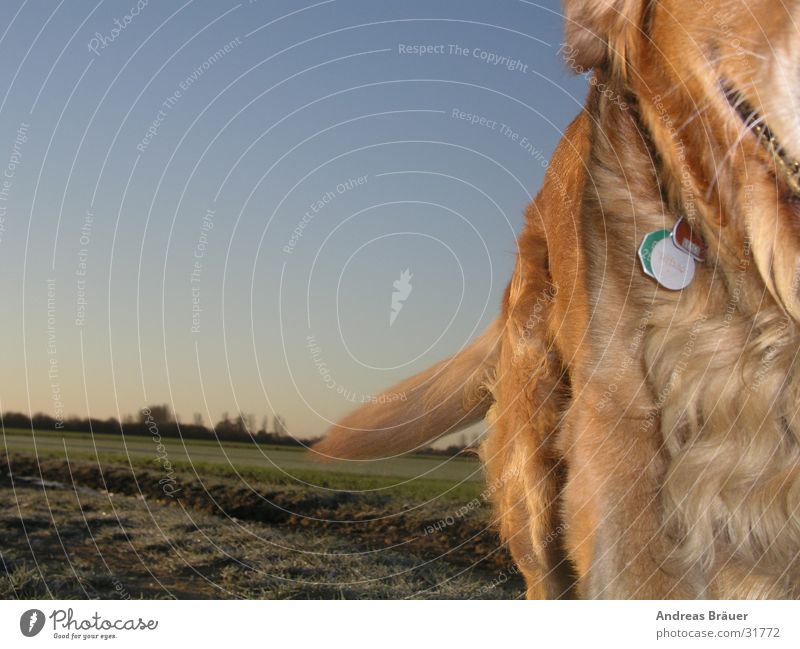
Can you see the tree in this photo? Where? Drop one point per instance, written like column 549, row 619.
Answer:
column 226, row 426
column 279, row 426
column 246, row 423
column 197, row 419
column 160, row 414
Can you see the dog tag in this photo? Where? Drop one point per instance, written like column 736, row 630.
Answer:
column 671, row 266
column 646, row 249
column 686, row 241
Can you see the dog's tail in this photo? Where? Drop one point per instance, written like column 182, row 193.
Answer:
column 443, row 399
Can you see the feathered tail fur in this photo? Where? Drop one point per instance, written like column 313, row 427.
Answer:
column 443, row 399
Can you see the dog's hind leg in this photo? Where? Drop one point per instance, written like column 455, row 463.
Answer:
column 524, row 471
column 524, row 477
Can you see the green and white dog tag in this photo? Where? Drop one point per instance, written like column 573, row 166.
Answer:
column 662, row 259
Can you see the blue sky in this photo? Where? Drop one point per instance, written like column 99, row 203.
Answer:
column 275, row 165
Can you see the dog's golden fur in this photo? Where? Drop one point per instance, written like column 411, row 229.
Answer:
column 646, row 441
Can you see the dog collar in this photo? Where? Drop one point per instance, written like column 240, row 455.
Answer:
column 669, row 256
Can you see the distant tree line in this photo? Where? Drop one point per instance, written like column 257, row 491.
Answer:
column 161, row 420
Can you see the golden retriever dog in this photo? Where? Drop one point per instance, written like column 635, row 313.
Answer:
column 644, row 437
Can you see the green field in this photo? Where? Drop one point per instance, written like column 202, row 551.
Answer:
column 416, row 475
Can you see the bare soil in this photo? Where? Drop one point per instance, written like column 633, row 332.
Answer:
column 81, row 530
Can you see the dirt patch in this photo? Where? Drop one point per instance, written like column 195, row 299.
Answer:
column 81, row 530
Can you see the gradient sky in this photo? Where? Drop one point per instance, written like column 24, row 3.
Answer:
column 307, row 98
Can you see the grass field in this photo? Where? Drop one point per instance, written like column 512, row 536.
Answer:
column 421, row 476
column 240, row 454
column 87, row 516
